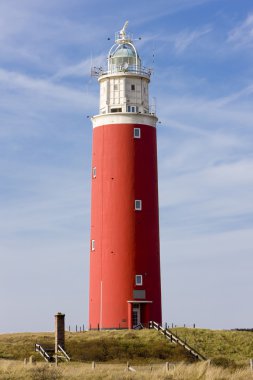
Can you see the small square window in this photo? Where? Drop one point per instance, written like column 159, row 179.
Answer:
column 138, row 204
column 132, row 87
column 93, row 245
column 137, row 133
column 94, row 172
column 138, row 280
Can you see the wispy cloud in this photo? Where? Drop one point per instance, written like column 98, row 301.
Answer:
column 47, row 89
column 242, row 35
column 225, row 100
column 80, row 69
column 186, row 38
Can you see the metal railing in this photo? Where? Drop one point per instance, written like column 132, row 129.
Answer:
column 99, row 71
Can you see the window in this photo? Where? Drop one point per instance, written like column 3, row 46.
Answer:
column 132, row 87
column 115, row 87
column 116, row 109
column 138, row 204
column 94, row 172
column 93, row 245
column 132, row 109
column 137, row 133
column 138, row 279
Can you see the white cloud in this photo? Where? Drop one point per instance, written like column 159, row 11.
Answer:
column 186, row 38
column 242, row 35
column 45, row 88
column 231, row 98
column 80, row 69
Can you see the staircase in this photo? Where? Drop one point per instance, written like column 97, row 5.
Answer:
column 46, row 353
column 49, row 353
column 175, row 339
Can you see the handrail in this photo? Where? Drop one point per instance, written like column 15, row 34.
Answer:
column 174, row 338
column 64, row 352
column 133, row 69
column 40, row 349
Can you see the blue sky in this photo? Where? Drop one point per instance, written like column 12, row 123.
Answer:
column 201, row 53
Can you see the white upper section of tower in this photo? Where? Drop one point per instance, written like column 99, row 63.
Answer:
column 124, row 85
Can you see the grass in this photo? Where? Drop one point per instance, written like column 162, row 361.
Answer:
column 78, row 371
column 226, row 345
column 104, row 346
column 140, row 346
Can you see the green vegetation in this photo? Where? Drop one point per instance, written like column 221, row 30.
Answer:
column 111, row 346
column 223, row 346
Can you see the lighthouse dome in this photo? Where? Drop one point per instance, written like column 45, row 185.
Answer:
column 124, row 50
column 124, row 57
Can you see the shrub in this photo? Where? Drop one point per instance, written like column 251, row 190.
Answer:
column 224, row 362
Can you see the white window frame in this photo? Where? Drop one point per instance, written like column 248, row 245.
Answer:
column 138, row 204
column 132, row 109
column 137, row 133
column 93, row 245
column 138, row 280
column 94, row 172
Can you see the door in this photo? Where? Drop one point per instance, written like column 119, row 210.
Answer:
column 136, row 314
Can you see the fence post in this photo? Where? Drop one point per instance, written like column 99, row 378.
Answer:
column 167, row 366
column 93, row 365
column 251, row 364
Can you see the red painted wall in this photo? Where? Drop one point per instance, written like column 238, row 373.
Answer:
column 126, row 241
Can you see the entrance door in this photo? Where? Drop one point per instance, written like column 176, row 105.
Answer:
column 136, row 314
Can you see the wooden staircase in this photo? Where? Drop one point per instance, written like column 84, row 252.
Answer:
column 175, row 339
column 49, row 354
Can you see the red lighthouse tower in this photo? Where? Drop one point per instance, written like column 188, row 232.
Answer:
column 125, row 287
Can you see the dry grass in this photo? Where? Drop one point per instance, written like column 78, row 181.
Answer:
column 202, row 371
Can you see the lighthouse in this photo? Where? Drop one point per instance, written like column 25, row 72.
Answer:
column 125, row 285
